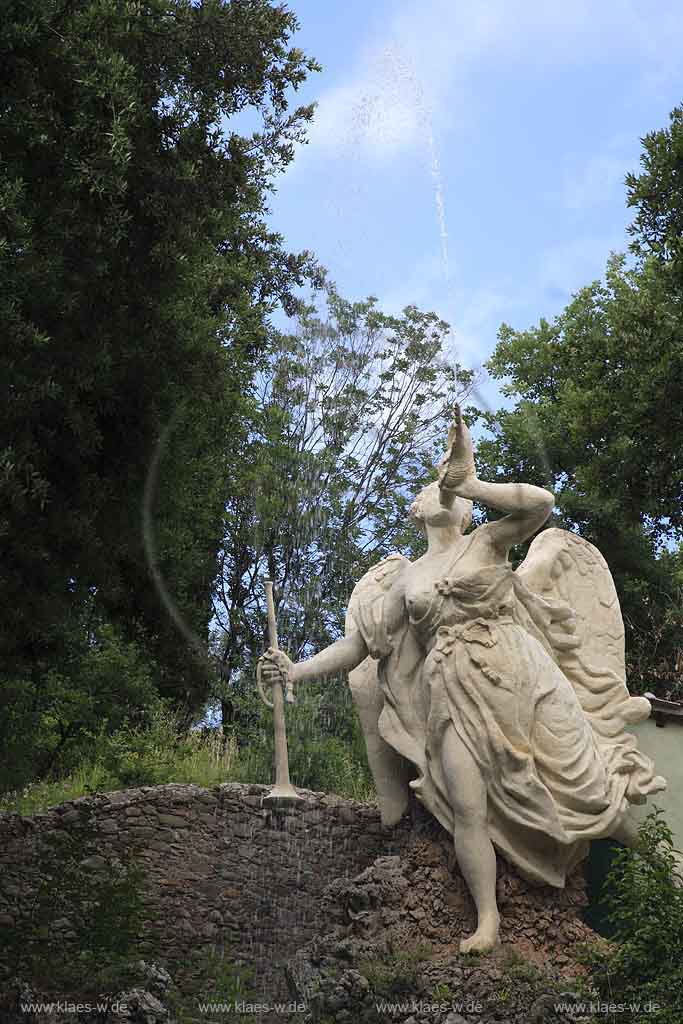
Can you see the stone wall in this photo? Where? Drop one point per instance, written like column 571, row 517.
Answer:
column 221, row 871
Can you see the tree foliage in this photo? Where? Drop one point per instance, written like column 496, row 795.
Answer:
column 657, row 196
column 137, row 275
column 353, row 411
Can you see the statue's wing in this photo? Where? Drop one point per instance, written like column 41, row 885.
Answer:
column 562, row 566
column 390, row 771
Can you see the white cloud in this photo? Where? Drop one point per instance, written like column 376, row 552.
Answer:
column 417, row 71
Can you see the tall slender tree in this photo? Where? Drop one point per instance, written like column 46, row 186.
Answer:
column 353, row 411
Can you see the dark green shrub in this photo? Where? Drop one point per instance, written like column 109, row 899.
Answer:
column 644, row 968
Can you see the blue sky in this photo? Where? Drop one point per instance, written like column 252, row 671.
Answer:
column 468, row 156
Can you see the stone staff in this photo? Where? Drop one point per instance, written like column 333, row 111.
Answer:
column 282, row 792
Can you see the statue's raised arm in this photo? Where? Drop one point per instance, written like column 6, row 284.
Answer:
column 526, row 505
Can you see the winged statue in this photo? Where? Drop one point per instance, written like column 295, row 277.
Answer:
column 497, row 695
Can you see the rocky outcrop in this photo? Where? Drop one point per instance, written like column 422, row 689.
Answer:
column 390, row 946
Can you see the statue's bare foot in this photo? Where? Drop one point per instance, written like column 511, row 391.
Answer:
column 485, row 938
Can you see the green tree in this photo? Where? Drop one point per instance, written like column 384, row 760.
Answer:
column 353, row 411
column 594, row 421
column 657, row 195
column 137, row 276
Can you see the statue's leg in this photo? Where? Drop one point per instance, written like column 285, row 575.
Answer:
column 473, row 847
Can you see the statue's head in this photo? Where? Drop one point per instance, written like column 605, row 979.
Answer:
column 427, row 508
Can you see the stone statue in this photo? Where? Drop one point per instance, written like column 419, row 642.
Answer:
column 498, row 696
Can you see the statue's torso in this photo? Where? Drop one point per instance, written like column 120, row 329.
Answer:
column 446, row 589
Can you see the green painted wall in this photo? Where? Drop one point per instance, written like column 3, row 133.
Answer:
column 665, row 747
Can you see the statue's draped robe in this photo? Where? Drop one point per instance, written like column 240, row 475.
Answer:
column 486, row 662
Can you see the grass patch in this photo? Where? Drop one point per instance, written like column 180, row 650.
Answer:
column 163, row 753
column 219, row 980
column 396, row 975
column 517, row 968
column 136, row 757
